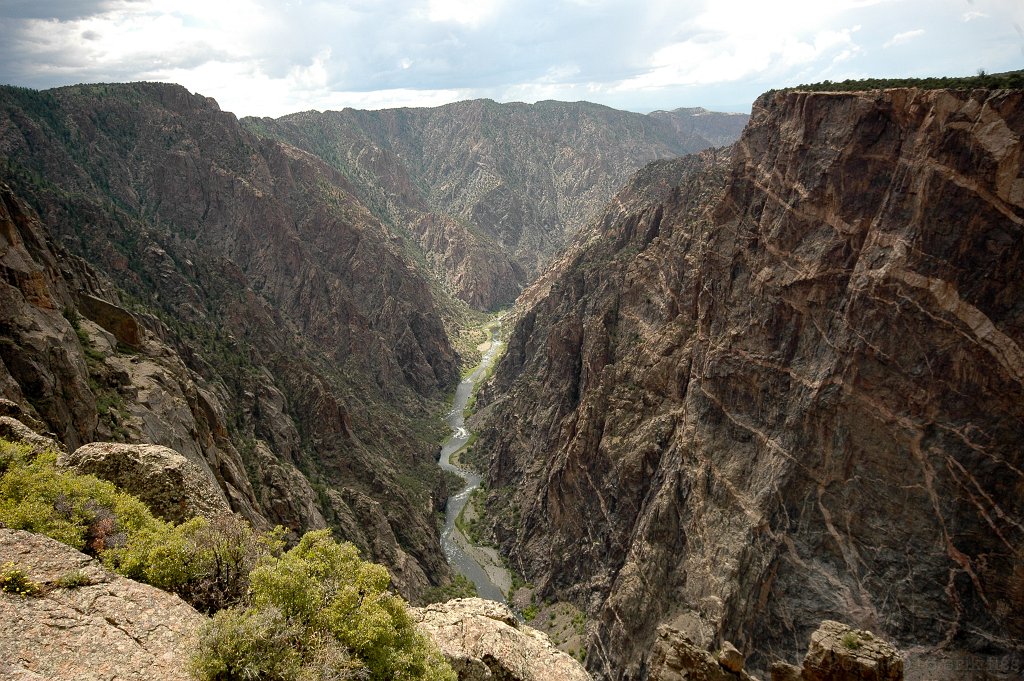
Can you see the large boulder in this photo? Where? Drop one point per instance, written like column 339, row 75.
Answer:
column 484, row 640
column 173, row 486
column 840, row 653
column 115, row 319
column 107, row 628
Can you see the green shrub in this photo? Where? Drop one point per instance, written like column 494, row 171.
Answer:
column 73, row 580
column 79, row 510
column 328, row 588
column 206, row 562
column 14, row 454
column 162, row 555
column 261, row 643
column 14, row 580
column 248, row 644
column 851, row 640
column 337, row 610
column 460, row 587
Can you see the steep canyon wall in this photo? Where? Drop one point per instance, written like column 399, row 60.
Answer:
column 784, row 385
column 271, row 327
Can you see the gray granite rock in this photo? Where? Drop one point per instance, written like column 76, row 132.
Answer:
column 173, row 487
column 111, row 628
column 484, row 640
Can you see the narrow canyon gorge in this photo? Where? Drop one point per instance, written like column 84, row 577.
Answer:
column 756, row 373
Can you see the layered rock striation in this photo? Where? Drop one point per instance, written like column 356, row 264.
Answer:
column 784, row 386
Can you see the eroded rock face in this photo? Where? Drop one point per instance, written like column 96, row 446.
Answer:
column 66, row 373
column 492, row 191
column 173, row 487
column 111, row 628
column 796, row 396
column 116, row 320
column 483, row 640
column 42, row 371
column 676, row 658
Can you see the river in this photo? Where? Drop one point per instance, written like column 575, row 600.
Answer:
column 472, row 562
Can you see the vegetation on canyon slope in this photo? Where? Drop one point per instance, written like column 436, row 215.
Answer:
column 330, row 397
column 983, row 81
column 301, row 614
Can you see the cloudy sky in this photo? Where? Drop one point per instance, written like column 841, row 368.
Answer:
column 271, row 57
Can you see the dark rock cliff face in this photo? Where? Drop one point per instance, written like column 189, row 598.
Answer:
column 491, row 191
column 289, row 344
column 787, row 388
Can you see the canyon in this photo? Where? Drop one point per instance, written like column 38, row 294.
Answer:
column 750, row 381
column 173, row 280
column 173, row 277
column 490, row 192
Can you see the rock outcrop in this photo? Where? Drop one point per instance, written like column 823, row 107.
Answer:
column 785, row 391
column 109, row 628
column 675, row 658
column 13, row 429
column 840, row 653
column 836, row 653
column 174, row 488
column 484, row 641
column 489, row 191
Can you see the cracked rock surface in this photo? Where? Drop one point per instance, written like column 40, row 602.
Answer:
column 840, row 653
column 484, row 640
column 112, row 628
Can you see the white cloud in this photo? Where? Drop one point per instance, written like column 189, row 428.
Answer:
column 244, row 89
column 466, row 12
column 268, row 56
column 767, row 20
column 312, row 77
column 130, row 39
column 905, row 37
column 730, row 43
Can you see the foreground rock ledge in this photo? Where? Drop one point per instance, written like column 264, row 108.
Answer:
column 483, row 640
column 113, row 628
